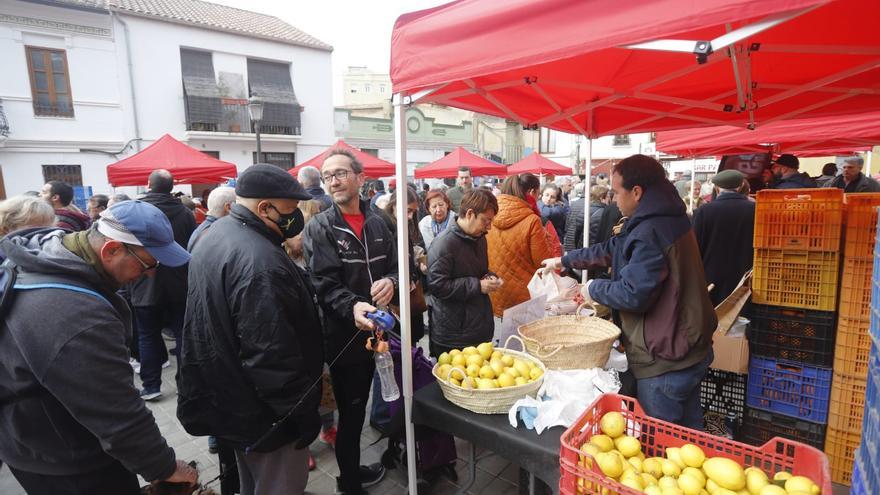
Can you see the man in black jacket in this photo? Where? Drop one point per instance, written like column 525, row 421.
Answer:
column 852, row 180
column 160, row 300
column 353, row 263
column 785, row 175
column 252, row 357
column 459, row 277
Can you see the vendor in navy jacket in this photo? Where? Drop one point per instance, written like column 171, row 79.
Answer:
column 657, row 291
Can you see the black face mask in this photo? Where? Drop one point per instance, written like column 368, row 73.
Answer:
column 291, row 224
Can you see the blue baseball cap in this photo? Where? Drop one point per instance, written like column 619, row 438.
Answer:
column 142, row 224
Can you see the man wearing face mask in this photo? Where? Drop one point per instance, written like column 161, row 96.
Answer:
column 252, row 356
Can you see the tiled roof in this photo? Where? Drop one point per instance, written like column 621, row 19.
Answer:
column 209, row 16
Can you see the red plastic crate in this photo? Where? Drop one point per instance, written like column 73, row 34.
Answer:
column 852, row 349
column 860, row 218
column 656, row 435
column 802, row 219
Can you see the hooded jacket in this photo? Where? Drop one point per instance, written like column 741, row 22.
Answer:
column 67, row 396
column 251, row 338
column 517, row 246
column 658, row 288
column 343, row 268
column 556, row 214
column 168, row 284
column 462, row 313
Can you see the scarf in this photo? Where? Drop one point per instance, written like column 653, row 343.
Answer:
column 78, row 244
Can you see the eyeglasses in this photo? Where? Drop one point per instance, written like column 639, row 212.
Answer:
column 340, row 175
column 144, row 265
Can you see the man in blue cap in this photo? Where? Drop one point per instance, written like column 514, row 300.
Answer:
column 71, row 419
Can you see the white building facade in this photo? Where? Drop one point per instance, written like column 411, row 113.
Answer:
column 86, row 85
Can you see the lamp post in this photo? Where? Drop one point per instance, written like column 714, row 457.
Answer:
column 255, row 109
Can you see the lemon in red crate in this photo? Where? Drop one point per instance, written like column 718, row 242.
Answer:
column 612, row 424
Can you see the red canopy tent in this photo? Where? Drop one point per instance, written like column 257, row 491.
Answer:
column 826, row 135
column 448, row 166
column 538, row 164
column 373, row 167
column 187, row 164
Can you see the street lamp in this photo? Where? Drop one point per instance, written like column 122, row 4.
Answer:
column 255, row 109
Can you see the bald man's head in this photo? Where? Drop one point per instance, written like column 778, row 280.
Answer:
column 160, row 181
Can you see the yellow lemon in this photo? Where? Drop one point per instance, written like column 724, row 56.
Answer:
column 610, row 465
column 648, row 480
column 667, row 481
column 627, row 445
column 474, row 359
column 636, row 463
column 469, row 350
column 674, row 455
column 486, row 349
column 670, row 468
column 485, row 384
column 459, row 361
column 444, row 358
column 455, row 382
column 630, row 482
column 486, row 372
column 755, row 481
column 672, row 490
column 711, row 487
column 468, row 383
column 692, row 455
column 443, row 371
column 454, row 352
column 497, row 367
column 772, row 490
column 498, row 355
column 506, row 360
column 457, row 375
column 521, row 381
column 689, row 484
column 725, row 472
column 781, row 476
column 696, row 473
column 603, row 442
column 506, row 380
column 473, row 370
column 653, row 466
column 522, row 367
column 535, row 373
column 612, row 424
column 799, row 484
column 653, row 490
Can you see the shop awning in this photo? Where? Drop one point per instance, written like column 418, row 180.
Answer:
column 187, row 164
column 373, row 167
column 448, row 166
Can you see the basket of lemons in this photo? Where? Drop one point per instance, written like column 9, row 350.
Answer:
column 486, row 380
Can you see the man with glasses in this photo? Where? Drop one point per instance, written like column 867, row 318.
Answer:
column 353, row 264
column 72, row 421
column 852, row 180
column 464, row 184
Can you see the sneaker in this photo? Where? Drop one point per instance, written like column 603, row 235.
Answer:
column 370, row 475
column 135, row 365
column 149, row 395
column 328, row 436
column 312, row 464
column 166, row 364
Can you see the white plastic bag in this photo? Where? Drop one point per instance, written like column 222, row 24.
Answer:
column 553, row 286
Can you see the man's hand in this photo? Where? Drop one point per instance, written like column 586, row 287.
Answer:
column 552, row 264
column 360, row 316
column 184, row 473
column 585, row 292
column 382, row 291
column 490, row 284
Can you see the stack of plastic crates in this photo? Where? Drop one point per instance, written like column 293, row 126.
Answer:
column 794, row 290
column 723, row 397
column 853, row 342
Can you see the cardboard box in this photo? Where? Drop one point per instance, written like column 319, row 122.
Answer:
column 731, row 353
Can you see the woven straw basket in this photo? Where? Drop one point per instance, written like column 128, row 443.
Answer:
column 570, row 341
column 495, row 400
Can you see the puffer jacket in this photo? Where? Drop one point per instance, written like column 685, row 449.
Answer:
column 518, row 244
column 658, row 288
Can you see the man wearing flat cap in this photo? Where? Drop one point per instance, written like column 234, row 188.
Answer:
column 724, row 229
column 852, row 180
column 785, row 174
column 252, row 354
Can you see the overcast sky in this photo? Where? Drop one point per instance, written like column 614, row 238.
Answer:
column 360, row 31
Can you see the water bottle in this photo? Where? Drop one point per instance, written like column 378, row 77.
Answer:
column 385, row 368
column 730, row 425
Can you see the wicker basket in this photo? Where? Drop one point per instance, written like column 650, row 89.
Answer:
column 495, row 400
column 570, row 341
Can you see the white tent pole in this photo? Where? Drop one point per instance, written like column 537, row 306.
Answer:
column 693, row 183
column 588, row 171
column 868, row 170
column 403, row 277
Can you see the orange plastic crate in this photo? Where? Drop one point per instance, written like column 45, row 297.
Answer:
column 807, row 219
column 860, row 219
column 840, row 447
column 852, row 348
column 855, row 288
column 847, row 403
column 656, row 435
column 796, row 279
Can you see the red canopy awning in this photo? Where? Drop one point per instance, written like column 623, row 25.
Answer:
column 373, row 167
column 600, row 67
column 448, row 166
column 186, row 164
column 827, row 135
column 538, row 164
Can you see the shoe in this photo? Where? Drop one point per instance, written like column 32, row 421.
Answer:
column 149, row 395
column 166, row 364
column 213, row 448
column 312, row 464
column 328, row 436
column 370, row 475
column 135, row 365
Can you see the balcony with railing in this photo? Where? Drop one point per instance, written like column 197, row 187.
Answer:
column 4, row 124
column 231, row 116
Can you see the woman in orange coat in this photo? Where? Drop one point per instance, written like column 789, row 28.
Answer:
column 517, row 241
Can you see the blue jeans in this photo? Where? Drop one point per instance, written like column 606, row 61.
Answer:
column 675, row 396
column 150, row 321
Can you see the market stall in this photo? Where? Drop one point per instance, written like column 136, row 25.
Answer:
column 187, row 164
column 537, row 164
column 448, row 166
column 373, row 167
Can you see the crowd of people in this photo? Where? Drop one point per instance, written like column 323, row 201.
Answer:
column 265, row 288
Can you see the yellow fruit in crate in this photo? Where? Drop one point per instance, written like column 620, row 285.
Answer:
column 443, row 371
column 691, row 455
column 507, row 360
column 670, row 468
column 653, row 466
column 725, row 491
column 603, row 442
column 816, row 490
column 799, row 484
column 506, row 380
column 711, row 487
column 459, row 361
column 696, row 473
column 755, row 480
column 690, row 484
column 512, row 372
column 627, row 445
column 772, row 490
column 725, row 472
column 486, row 349
column 674, row 455
column 487, row 373
column 521, row 381
column 630, row 482
column 469, row 350
column 653, row 490
column 648, row 480
column 612, row 424
column 444, row 358
column 610, row 464
column 497, row 367
column 667, row 481
column 781, row 476
column 474, row 359
column 536, row 373
column 636, row 463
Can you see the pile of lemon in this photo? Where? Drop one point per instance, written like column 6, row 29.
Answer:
column 684, row 471
column 484, row 367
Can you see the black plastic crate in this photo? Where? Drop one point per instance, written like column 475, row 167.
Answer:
column 760, row 426
column 722, row 392
column 793, row 334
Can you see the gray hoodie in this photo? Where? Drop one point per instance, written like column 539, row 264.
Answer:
column 67, row 394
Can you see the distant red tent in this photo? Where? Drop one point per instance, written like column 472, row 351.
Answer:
column 373, row 167
column 537, row 164
column 187, row 164
column 826, row 135
column 448, row 166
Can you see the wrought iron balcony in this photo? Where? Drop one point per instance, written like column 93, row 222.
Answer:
column 231, row 115
column 4, row 125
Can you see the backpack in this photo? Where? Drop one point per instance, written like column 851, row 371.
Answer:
column 11, row 282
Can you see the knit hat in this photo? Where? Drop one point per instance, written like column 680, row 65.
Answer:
column 789, row 161
column 728, row 179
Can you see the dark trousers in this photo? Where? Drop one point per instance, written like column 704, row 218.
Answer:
column 151, row 320
column 437, row 349
column 351, row 387
column 113, row 479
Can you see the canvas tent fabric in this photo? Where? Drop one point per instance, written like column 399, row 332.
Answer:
column 538, row 164
column 186, row 164
column 813, row 136
column 595, row 67
column 373, row 167
column 448, row 166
